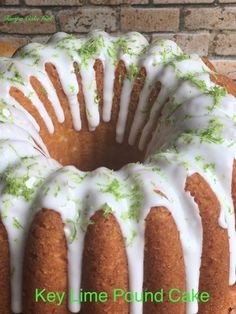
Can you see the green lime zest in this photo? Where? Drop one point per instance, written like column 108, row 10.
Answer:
column 5, row 113
column 132, row 72
column 17, row 224
column 90, row 48
column 73, row 235
column 211, row 134
column 209, row 166
column 17, row 186
column 114, row 187
column 217, row 92
column 129, row 241
column 107, row 210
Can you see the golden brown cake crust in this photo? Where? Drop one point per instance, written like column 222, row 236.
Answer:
column 163, row 262
column 213, row 277
column 104, row 264
column 45, row 263
column 221, row 79
column 5, row 293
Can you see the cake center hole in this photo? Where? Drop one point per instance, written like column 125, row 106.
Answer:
column 90, row 150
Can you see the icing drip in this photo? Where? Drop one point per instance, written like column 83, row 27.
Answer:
column 195, row 128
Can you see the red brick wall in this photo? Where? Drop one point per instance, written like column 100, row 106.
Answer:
column 207, row 27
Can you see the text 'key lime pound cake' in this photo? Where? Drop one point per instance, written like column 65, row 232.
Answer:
column 117, row 179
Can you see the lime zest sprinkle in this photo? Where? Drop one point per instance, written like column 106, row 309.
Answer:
column 122, row 43
column 211, row 134
column 85, row 222
column 13, row 271
column 33, row 53
column 114, row 187
column 72, row 89
column 129, row 241
column 112, row 53
column 209, row 166
column 73, row 235
column 17, row 224
column 132, row 72
column 90, row 48
column 74, row 177
column 16, row 76
column 5, row 113
column 198, row 158
column 18, row 186
column 133, row 194
column 217, row 92
column 107, row 210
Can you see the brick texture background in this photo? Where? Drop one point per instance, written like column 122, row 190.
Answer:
column 206, row 27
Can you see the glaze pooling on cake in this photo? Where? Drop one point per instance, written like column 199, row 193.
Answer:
column 194, row 133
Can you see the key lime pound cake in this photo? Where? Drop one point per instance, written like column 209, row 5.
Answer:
column 118, row 178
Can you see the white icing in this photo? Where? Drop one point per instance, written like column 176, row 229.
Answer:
column 193, row 124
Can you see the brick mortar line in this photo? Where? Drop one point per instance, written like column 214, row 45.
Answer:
column 118, row 20
column 221, row 57
column 187, row 5
column 181, row 19
column 118, row 30
column 178, row 32
column 184, row 31
column 149, row 5
column 113, row 32
column 57, row 22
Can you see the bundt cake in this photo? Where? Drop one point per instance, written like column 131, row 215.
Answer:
column 118, row 179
